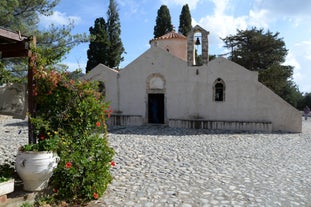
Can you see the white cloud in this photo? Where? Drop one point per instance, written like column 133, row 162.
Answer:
column 192, row 4
column 285, row 7
column 295, row 12
column 215, row 24
column 292, row 61
column 58, row 18
column 299, row 56
column 259, row 18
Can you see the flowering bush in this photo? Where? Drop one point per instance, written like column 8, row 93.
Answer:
column 70, row 118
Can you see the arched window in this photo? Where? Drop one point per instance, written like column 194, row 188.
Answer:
column 102, row 88
column 219, row 90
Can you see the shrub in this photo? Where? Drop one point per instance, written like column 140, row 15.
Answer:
column 74, row 114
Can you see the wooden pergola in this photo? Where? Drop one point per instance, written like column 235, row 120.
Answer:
column 14, row 44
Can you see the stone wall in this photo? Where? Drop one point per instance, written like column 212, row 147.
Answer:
column 13, row 100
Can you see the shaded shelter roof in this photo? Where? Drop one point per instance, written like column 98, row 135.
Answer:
column 13, row 44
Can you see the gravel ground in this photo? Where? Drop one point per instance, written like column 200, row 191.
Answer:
column 13, row 134
column 159, row 166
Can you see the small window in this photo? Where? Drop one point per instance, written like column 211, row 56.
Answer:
column 102, row 88
column 219, row 90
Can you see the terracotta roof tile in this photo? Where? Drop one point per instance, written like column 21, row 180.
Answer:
column 170, row 35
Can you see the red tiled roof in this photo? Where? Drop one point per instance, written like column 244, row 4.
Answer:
column 170, row 35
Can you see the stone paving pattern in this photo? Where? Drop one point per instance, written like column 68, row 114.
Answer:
column 159, row 166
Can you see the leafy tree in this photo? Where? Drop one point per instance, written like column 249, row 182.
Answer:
column 52, row 43
column 99, row 45
column 305, row 101
column 265, row 53
column 21, row 15
column 163, row 22
column 185, row 20
column 116, row 48
column 256, row 50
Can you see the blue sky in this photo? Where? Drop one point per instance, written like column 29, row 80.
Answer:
column 292, row 19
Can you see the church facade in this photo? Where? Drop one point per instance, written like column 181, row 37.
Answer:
column 175, row 84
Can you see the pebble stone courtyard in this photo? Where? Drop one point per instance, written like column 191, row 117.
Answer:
column 160, row 166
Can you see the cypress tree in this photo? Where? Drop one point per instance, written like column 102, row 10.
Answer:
column 99, row 45
column 114, row 32
column 163, row 22
column 185, row 20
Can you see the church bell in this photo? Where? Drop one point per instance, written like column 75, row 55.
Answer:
column 197, row 42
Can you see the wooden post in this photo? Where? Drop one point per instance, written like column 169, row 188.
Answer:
column 31, row 102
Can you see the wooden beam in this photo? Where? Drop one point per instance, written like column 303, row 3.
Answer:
column 31, row 100
column 19, row 53
column 14, row 46
column 16, row 36
column 17, row 49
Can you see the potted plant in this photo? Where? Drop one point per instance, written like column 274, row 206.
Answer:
column 70, row 120
column 35, row 162
column 6, row 185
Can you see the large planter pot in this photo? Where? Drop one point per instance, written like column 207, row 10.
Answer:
column 35, row 168
column 6, row 187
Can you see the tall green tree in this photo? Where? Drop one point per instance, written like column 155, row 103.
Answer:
column 52, row 43
column 116, row 48
column 21, row 15
column 163, row 22
column 99, row 45
column 185, row 20
column 306, row 101
column 264, row 52
column 256, row 50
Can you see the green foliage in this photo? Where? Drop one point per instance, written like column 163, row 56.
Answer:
column 48, row 144
column 265, row 53
column 185, row 20
column 71, row 116
column 292, row 95
column 26, row 204
column 55, row 42
column 99, row 45
column 13, row 70
column 83, row 172
column 114, row 33
column 105, row 45
column 6, row 76
column 3, row 179
column 256, row 50
column 276, row 77
column 7, row 171
column 305, row 101
column 21, row 16
column 163, row 22
column 52, row 43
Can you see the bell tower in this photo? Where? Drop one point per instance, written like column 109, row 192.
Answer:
column 197, row 46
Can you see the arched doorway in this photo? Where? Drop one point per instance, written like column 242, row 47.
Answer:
column 155, row 99
column 156, row 108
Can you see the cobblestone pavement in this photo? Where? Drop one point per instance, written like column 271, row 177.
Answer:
column 158, row 166
column 177, row 167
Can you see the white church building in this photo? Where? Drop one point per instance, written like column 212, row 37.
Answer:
column 173, row 83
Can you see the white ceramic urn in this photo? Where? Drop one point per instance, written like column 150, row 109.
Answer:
column 35, row 168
